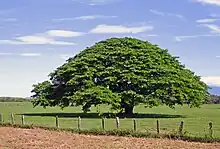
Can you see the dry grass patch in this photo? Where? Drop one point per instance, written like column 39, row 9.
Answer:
column 17, row 138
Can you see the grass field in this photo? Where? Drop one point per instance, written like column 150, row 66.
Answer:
column 195, row 120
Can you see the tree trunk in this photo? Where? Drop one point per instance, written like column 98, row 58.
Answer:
column 128, row 109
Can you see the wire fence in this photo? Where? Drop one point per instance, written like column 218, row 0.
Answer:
column 160, row 126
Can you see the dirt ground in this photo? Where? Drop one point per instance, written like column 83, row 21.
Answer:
column 16, row 138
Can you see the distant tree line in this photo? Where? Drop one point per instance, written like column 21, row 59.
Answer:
column 213, row 99
column 14, row 99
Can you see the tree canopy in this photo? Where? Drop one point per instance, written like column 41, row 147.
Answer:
column 123, row 73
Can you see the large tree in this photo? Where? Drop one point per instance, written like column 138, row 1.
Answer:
column 121, row 72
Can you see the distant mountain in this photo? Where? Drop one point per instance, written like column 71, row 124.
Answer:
column 214, row 90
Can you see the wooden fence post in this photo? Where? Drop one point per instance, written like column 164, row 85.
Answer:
column 210, row 129
column 103, row 123
column 135, row 124
column 1, row 118
column 117, row 122
column 12, row 119
column 57, row 122
column 181, row 129
column 22, row 120
column 79, row 123
column 158, row 127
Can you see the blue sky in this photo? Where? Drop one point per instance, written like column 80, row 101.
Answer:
column 37, row 36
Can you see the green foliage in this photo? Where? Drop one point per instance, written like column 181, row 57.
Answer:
column 121, row 72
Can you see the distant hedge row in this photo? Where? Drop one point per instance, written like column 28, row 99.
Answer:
column 213, row 99
column 14, row 99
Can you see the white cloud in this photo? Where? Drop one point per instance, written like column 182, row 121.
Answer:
column 159, row 13
column 9, row 20
column 12, row 42
column 119, row 29
column 34, row 40
column 63, row 19
column 214, row 15
column 66, row 56
column 176, row 15
column 206, row 20
column 63, row 33
column 96, row 2
column 210, row 2
column 212, row 27
column 5, row 54
column 21, row 54
column 30, row 54
column 84, row 18
column 91, row 17
column 152, row 35
column 147, row 35
column 43, row 38
column 181, row 38
column 211, row 80
column 61, row 43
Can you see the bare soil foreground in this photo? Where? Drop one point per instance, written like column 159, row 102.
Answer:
column 16, row 138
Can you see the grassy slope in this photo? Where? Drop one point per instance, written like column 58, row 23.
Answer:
column 196, row 121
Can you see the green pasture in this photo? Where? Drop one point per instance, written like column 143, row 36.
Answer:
column 196, row 120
